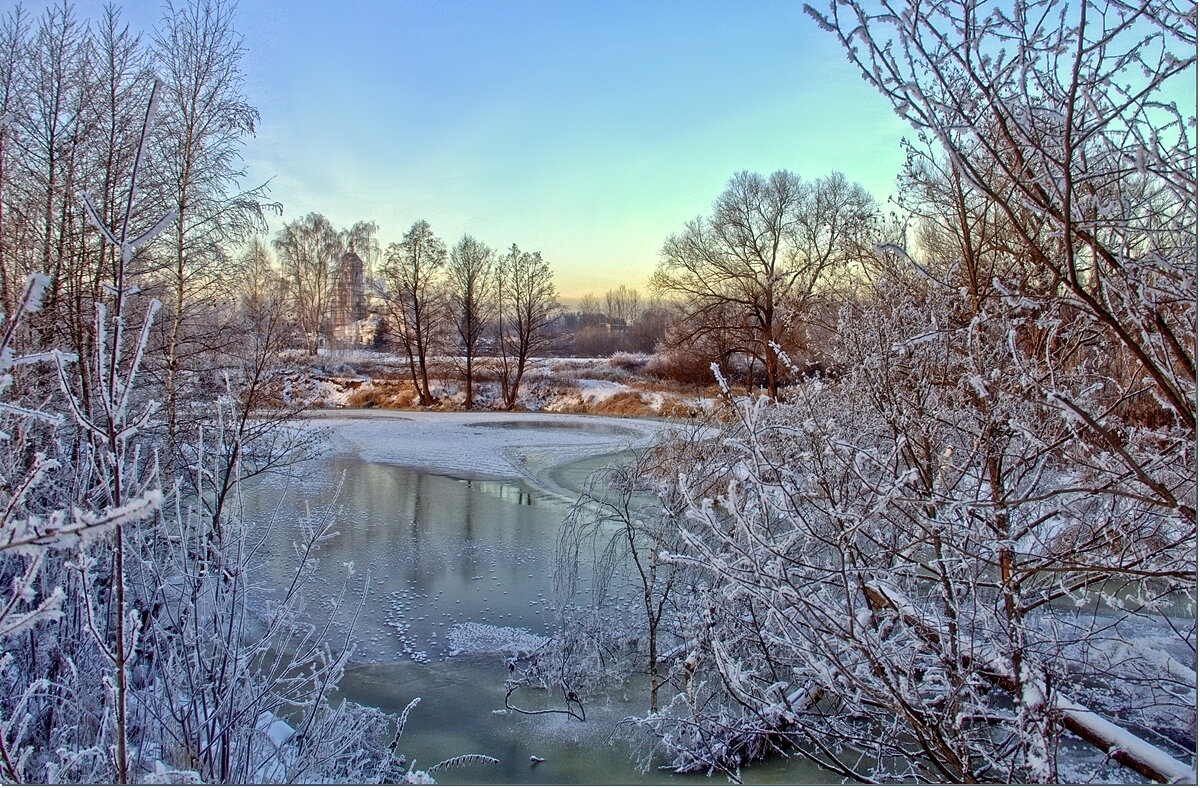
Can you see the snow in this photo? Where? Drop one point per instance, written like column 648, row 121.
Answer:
column 605, row 386
column 472, row 637
column 593, row 390
column 418, row 777
column 496, row 444
column 274, row 763
column 1120, row 744
column 1093, row 727
column 162, row 775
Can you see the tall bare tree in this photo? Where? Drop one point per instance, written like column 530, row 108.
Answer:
column 468, row 278
column 121, row 73
column 14, row 32
column 206, row 120
column 527, row 300
column 309, row 249
column 48, row 141
column 751, row 267
column 623, row 303
column 589, row 304
column 260, row 282
column 411, row 280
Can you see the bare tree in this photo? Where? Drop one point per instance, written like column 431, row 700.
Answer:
column 972, row 544
column 623, row 303
column 207, row 118
column 526, row 299
column 752, row 265
column 411, row 284
column 650, row 327
column 309, row 248
column 260, row 283
column 614, row 544
column 977, row 541
column 468, row 278
column 128, row 654
column 589, row 304
column 867, row 598
column 41, row 520
column 14, row 31
column 49, row 135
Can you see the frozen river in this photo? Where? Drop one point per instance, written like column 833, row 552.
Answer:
column 450, row 522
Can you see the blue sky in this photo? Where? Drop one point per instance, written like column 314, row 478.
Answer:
column 586, row 130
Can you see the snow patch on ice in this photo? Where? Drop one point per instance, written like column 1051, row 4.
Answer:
column 472, row 637
column 503, row 445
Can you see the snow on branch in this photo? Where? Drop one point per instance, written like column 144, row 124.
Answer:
column 1121, row 745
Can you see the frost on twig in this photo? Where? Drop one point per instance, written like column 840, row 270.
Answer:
column 471, row 759
column 931, row 547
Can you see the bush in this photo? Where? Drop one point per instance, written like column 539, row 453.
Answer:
column 630, row 362
column 681, row 366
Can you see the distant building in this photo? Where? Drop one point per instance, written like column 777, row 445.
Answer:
column 349, row 299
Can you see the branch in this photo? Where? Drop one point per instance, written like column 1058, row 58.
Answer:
column 1117, row 743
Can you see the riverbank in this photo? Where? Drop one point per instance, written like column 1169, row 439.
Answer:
column 614, row 386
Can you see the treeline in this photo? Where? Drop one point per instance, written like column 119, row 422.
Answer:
column 427, row 299
column 620, row 322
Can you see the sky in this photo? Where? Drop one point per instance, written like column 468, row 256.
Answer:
column 587, row 130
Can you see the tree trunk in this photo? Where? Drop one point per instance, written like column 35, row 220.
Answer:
column 470, row 397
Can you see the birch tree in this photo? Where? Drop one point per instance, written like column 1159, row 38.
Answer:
column 207, row 118
column 309, row 249
column 13, row 44
column 49, row 130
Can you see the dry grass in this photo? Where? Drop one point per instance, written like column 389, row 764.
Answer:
column 395, row 394
column 384, row 383
column 624, row 403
